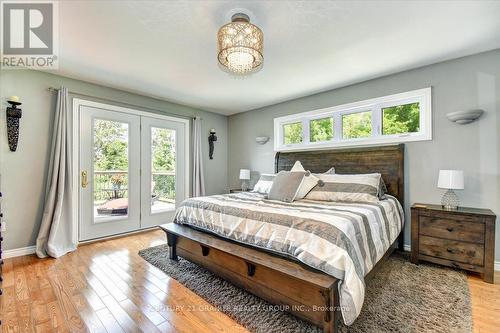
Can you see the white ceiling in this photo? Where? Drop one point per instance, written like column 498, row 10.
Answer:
column 167, row 49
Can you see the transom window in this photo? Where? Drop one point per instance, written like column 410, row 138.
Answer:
column 357, row 125
column 321, row 129
column 390, row 119
column 292, row 133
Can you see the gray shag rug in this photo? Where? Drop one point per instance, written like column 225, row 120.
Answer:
column 401, row 297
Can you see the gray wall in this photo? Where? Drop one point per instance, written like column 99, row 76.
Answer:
column 462, row 84
column 24, row 171
column 466, row 83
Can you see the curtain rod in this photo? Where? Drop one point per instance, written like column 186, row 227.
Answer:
column 52, row 89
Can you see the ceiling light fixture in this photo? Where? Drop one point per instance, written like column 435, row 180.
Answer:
column 240, row 45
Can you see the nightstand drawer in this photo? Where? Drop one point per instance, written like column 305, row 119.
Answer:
column 468, row 253
column 452, row 229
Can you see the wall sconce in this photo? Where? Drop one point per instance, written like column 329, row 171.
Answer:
column 261, row 140
column 13, row 116
column 464, row 117
column 211, row 139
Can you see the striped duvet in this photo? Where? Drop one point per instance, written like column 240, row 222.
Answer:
column 344, row 240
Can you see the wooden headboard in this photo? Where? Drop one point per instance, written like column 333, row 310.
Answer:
column 387, row 160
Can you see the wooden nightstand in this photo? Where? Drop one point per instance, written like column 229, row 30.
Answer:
column 462, row 238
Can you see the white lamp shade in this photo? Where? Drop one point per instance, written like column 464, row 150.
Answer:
column 451, row 179
column 244, row 174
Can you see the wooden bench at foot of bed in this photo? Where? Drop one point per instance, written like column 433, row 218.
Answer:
column 308, row 294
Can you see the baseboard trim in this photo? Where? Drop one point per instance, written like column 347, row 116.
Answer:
column 123, row 234
column 22, row 251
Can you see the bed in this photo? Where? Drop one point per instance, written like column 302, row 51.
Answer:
column 310, row 257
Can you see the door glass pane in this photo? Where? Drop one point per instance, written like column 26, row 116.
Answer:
column 292, row 133
column 110, row 141
column 357, row 125
column 400, row 119
column 321, row 129
column 162, row 169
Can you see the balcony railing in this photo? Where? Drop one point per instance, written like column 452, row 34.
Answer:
column 110, row 185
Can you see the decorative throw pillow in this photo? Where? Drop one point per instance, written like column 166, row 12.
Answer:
column 309, row 182
column 286, row 186
column 335, row 187
column 264, row 184
column 382, row 191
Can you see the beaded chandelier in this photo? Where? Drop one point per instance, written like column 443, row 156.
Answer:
column 240, row 45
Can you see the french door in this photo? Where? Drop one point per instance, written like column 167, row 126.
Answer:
column 163, row 170
column 132, row 171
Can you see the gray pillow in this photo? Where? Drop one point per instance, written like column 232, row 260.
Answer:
column 355, row 188
column 286, row 185
column 382, row 188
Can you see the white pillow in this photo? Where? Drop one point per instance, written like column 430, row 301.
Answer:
column 297, row 167
column 307, row 184
column 330, row 171
column 382, row 191
column 264, row 184
column 357, row 188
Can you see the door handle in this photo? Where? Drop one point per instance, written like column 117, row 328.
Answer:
column 85, row 182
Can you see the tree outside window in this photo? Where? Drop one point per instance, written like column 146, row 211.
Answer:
column 292, row 133
column 400, row 119
column 357, row 125
column 321, row 129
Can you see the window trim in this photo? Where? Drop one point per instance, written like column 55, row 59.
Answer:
column 375, row 105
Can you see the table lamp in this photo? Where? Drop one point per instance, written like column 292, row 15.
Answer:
column 450, row 180
column 244, row 177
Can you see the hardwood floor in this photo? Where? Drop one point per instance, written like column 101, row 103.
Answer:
column 485, row 299
column 107, row 287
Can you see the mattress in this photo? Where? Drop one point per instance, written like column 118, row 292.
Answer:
column 344, row 240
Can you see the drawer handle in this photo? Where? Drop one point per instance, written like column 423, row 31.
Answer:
column 250, row 269
column 449, row 229
column 205, row 250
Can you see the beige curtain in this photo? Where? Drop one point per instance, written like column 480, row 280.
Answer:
column 55, row 235
column 198, row 186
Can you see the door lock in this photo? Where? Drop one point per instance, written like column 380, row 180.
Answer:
column 84, row 179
